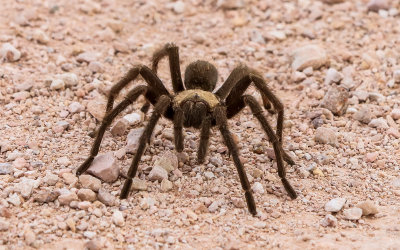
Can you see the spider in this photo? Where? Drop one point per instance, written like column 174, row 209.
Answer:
column 194, row 104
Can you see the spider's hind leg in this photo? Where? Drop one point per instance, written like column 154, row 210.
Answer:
column 107, row 120
column 159, row 109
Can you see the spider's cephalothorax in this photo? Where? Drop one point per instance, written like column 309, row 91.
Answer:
column 196, row 106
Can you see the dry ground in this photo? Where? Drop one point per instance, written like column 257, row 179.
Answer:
column 262, row 34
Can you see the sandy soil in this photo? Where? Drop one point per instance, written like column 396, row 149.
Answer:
column 45, row 125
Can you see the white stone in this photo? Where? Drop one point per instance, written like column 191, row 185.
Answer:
column 63, row 161
column 309, row 56
column 57, row 84
column 9, row 53
column 133, row 118
column 353, row 213
column 75, row 107
column 379, row 123
column 14, row 199
column 335, row 205
column 333, row 76
column 368, row 208
column 178, row 7
column 147, row 202
column 168, row 161
column 105, row 197
column 40, row 36
column 258, row 188
column 70, row 79
column 118, row 218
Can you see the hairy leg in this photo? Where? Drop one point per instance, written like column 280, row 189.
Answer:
column 172, row 51
column 221, row 119
column 159, row 109
column 156, row 87
column 204, row 138
column 178, row 126
column 108, row 118
column 258, row 113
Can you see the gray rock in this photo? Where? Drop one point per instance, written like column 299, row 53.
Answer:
column 158, row 174
column 368, row 208
column 336, row 100
column 329, row 221
column 169, row 161
column 209, row 175
column 335, row 205
column 364, row 115
column 326, row 136
column 133, row 118
column 376, row 5
column 378, row 123
column 119, row 127
column 309, row 56
column 88, row 181
column 332, row 76
column 353, row 213
column 6, row 168
column 132, row 140
column 105, row 167
column 105, row 197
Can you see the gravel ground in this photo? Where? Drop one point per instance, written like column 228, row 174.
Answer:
column 333, row 63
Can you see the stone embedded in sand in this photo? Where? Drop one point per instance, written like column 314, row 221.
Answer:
column 105, row 197
column 336, row 100
column 169, row 161
column 86, row 194
column 329, row 221
column 9, row 53
column 158, row 174
column 376, row 5
column 335, row 205
column 88, row 181
column 326, row 136
column 132, row 140
column 353, row 213
column 119, row 127
column 97, row 108
column 66, row 199
column 105, row 167
column 309, row 56
column 368, row 208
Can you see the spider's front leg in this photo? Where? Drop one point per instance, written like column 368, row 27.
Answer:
column 221, row 120
column 258, row 113
column 107, row 120
column 235, row 86
column 156, row 87
column 159, row 109
column 172, row 51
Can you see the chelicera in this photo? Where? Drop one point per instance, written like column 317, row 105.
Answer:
column 194, row 104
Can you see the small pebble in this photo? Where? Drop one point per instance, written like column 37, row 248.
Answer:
column 335, row 205
column 353, row 213
column 368, row 208
column 118, row 218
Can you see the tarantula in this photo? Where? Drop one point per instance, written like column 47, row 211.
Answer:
column 195, row 105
